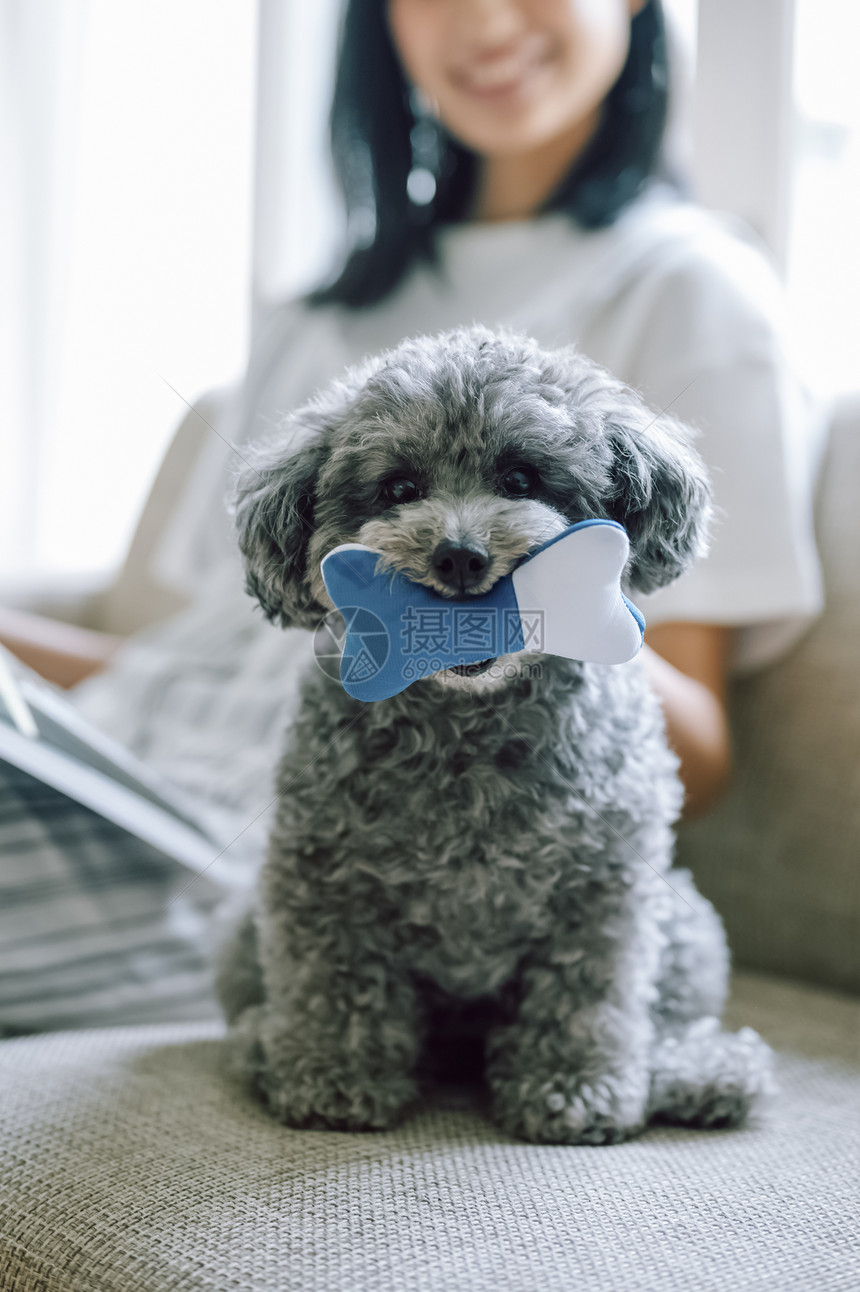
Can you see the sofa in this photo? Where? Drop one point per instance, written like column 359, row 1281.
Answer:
column 132, row 1160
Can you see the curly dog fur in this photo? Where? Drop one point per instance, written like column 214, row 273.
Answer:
column 499, row 839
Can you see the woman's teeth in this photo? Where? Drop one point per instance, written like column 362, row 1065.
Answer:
column 494, row 78
column 500, row 74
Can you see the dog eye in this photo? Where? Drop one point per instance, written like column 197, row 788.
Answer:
column 518, row 482
column 399, row 489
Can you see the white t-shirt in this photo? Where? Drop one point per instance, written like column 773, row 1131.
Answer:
column 677, row 303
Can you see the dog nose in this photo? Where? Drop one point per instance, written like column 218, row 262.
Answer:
column 458, row 565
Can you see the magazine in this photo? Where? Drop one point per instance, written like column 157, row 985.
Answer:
column 44, row 736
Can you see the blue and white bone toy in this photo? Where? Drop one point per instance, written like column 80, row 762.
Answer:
column 564, row 598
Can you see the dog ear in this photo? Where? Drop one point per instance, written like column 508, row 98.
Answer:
column 272, row 502
column 274, row 499
column 660, row 493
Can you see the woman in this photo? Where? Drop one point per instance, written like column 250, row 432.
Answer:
column 501, row 160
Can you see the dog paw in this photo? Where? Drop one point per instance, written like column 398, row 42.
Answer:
column 323, row 1096
column 567, row 1110
column 310, row 1082
column 710, row 1078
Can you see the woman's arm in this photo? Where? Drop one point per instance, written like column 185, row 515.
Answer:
column 687, row 665
column 62, row 653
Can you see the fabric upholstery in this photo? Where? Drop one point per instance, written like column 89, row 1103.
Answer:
column 132, row 1163
column 780, row 857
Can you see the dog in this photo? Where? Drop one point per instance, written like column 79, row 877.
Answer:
column 493, row 846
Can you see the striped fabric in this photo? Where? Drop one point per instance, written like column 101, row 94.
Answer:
column 94, row 926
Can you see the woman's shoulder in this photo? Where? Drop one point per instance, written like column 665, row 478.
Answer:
column 664, row 254
column 681, row 231
column 714, row 246
column 703, row 274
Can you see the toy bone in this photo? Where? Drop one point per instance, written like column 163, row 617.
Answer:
column 564, row 598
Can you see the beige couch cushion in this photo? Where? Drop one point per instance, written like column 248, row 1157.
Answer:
column 131, row 1163
column 780, row 857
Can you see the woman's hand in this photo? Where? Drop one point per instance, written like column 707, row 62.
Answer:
column 687, row 666
column 63, row 653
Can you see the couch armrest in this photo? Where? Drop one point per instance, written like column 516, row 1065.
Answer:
column 135, row 599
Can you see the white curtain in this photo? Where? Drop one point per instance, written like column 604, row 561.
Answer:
column 125, row 246
column 40, row 85
column 297, row 223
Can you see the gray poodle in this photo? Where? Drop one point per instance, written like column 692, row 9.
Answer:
column 484, row 860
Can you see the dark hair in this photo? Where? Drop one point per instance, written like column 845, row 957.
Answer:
column 374, row 135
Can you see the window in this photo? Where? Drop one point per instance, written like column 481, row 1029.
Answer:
column 131, row 243
column 823, row 255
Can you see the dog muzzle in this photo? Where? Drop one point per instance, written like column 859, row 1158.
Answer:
column 564, row 598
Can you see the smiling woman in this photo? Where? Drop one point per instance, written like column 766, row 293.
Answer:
column 522, row 85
